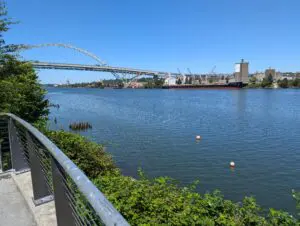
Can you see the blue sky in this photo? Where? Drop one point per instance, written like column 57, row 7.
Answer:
column 159, row 34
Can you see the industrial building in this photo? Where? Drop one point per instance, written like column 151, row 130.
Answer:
column 170, row 81
column 241, row 72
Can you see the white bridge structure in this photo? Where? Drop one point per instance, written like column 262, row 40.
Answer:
column 101, row 66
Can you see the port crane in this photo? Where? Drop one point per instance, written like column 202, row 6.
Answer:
column 212, row 72
column 189, row 71
column 179, row 71
column 191, row 74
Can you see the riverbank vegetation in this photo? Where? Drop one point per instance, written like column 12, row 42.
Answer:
column 284, row 83
column 156, row 82
column 268, row 82
column 147, row 83
column 110, row 83
column 142, row 201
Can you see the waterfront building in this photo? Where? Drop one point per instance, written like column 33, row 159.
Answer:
column 278, row 75
column 259, row 76
column 287, row 77
column 241, row 72
column 196, row 82
column 170, row 81
column 270, row 71
column 136, row 85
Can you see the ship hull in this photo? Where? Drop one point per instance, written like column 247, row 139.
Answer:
column 234, row 85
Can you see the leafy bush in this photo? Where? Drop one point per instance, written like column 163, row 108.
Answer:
column 296, row 196
column 281, row 218
column 162, row 202
column 90, row 157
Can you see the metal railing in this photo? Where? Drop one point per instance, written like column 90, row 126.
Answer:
column 54, row 176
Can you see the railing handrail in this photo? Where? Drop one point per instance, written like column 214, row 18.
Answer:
column 106, row 211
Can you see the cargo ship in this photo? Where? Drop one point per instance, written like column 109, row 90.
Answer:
column 231, row 85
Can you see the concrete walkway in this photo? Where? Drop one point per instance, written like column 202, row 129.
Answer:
column 14, row 211
column 16, row 203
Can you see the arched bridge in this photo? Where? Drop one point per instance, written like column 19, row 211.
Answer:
column 82, row 67
column 101, row 66
column 62, row 45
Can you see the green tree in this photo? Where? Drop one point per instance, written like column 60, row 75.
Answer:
column 20, row 92
column 296, row 82
column 253, row 80
column 158, row 82
column 5, row 23
column 267, row 81
column 149, row 85
column 283, row 83
column 270, row 78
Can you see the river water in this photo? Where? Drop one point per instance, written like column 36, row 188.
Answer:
column 155, row 129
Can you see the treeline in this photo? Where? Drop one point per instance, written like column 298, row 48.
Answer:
column 95, row 84
column 268, row 82
column 154, row 82
column 285, row 83
column 83, row 84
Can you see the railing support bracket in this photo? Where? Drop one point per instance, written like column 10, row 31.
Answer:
column 43, row 200
column 22, row 171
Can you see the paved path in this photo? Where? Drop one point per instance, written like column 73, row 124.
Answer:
column 13, row 209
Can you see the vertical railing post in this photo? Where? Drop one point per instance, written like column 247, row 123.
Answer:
column 41, row 191
column 64, row 213
column 18, row 160
column 1, row 155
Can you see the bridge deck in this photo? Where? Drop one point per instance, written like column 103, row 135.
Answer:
column 13, row 208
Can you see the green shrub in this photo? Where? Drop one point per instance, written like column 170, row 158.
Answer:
column 90, row 157
column 281, row 218
column 296, row 196
column 162, row 202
